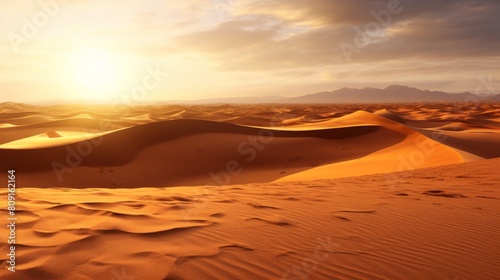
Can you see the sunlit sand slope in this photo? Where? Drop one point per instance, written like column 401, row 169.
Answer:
column 434, row 223
column 168, row 145
column 189, row 152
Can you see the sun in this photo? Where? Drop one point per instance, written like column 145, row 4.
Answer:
column 96, row 72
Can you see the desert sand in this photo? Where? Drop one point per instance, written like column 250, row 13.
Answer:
column 387, row 191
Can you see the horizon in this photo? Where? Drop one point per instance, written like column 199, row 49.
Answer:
column 198, row 50
column 122, row 100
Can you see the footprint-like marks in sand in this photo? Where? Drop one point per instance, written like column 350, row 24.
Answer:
column 343, row 218
column 357, row 211
column 227, row 201
column 401, row 194
column 443, row 194
column 274, row 220
column 236, row 246
column 259, row 206
column 316, row 187
column 217, row 215
column 486, row 197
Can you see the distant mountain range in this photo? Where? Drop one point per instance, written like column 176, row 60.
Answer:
column 391, row 94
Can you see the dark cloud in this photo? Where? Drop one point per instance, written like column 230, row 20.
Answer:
column 425, row 29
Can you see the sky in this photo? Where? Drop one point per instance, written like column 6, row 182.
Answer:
column 194, row 49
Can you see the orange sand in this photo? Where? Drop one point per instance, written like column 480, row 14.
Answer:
column 254, row 191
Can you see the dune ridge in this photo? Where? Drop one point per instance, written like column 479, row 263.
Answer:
column 136, row 146
column 204, row 145
column 254, row 191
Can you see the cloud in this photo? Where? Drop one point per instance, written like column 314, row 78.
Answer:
column 340, row 12
column 294, row 45
column 425, row 29
column 228, row 36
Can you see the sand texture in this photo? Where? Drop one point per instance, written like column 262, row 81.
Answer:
column 407, row 191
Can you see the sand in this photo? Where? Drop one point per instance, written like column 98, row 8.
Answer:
column 406, row 191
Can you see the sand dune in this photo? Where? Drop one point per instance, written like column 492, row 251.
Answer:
column 404, row 226
column 390, row 191
column 142, row 146
column 199, row 148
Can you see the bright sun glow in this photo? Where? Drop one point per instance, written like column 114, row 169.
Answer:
column 96, row 71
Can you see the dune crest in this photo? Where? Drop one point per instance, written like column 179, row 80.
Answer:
column 192, row 145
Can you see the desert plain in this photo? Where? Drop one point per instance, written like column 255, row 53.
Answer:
column 276, row 191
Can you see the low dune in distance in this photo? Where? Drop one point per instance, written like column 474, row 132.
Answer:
column 356, row 191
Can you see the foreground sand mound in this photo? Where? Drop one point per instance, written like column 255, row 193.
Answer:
column 435, row 223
